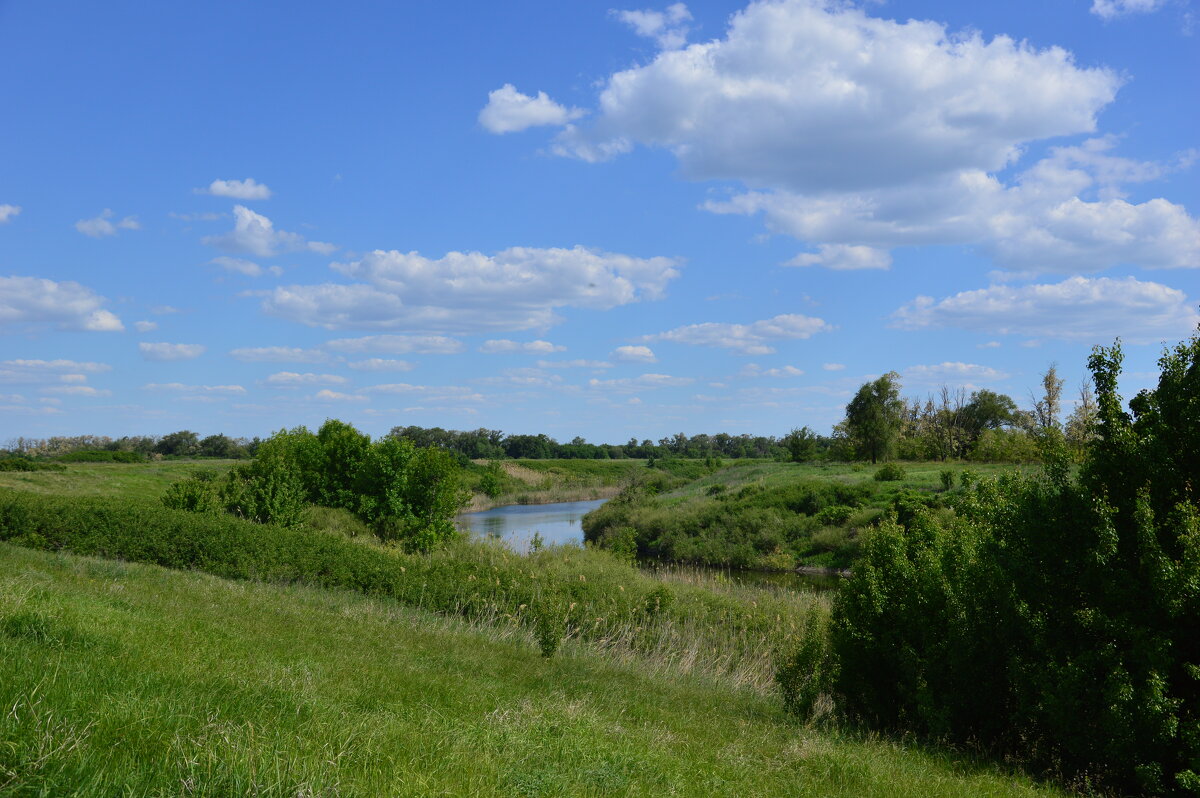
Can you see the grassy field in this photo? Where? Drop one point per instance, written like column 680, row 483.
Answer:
column 121, row 679
column 132, row 480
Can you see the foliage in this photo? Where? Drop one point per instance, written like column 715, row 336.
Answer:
column 802, row 444
column 873, row 418
column 804, row 667
column 178, row 444
column 101, row 456
column 25, row 464
column 1053, row 617
column 947, row 477
column 890, row 472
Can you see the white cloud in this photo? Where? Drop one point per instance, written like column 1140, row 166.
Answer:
column 196, row 217
column 953, row 372
column 988, row 345
column 844, row 257
column 246, row 189
column 644, row 382
column 755, row 370
column 510, row 111
column 1077, row 309
column 101, row 225
column 326, row 395
column 238, row 265
column 145, row 326
column 75, row 379
column 163, row 310
column 518, row 288
column 834, row 366
column 7, row 212
column 255, row 234
column 66, row 305
column 1111, row 9
column 291, row 378
column 634, row 354
column 441, row 393
column 666, row 27
column 278, row 354
column 504, row 346
column 398, row 344
column 578, row 363
column 747, row 339
column 807, row 103
column 165, row 351
column 179, row 387
column 76, row 390
column 23, row 371
column 380, row 364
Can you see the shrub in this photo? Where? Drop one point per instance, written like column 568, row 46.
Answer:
column 1053, row 617
column 947, row 477
column 804, row 667
column 834, row 515
column 890, row 472
column 25, row 464
column 101, row 456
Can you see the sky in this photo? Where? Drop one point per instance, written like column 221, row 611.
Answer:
column 581, row 219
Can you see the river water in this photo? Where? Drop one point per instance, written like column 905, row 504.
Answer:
column 560, row 523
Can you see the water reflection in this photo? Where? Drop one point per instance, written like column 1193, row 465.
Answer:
column 559, row 523
column 518, row 523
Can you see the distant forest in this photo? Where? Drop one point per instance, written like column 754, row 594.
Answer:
column 879, row 425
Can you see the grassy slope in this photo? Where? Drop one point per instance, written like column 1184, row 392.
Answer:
column 134, row 480
column 123, row 679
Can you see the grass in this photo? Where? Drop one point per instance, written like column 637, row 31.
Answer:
column 549, row 481
column 120, row 679
column 129, row 480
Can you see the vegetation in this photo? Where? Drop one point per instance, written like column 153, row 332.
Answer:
column 294, row 691
column 1050, row 617
column 405, row 494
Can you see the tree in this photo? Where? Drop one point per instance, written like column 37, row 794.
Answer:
column 873, row 418
column 181, row 443
column 1047, row 409
column 219, row 446
column 801, row 444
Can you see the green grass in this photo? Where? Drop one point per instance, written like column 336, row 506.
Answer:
column 119, row 679
column 547, row 481
column 130, row 480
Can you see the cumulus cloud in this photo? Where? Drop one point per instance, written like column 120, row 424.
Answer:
column 755, row 370
column 1077, row 309
column 292, row 378
column 1111, row 9
column 255, row 234
column 634, row 354
column 166, row 352
column 844, row 257
column 953, row 372
column 518, row 288
column 66, row 305
column 8, row 212
column 103, row 225
column 278, row 354
column 380, row 364
column 398, row 344
column 504, row 346
column 510, row 111
column 145, row 326
column 326, row 395
column 246, row 189
column 667, row 27
column 746, row 339
column 179, row 387
column 26, row 371
column 809, row 104
column 834, row 366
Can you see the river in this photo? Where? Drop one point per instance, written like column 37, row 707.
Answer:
column 561, row 522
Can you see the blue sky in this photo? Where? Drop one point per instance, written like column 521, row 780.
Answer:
column 579, row 219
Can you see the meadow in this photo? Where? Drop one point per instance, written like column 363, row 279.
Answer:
column 318, row 661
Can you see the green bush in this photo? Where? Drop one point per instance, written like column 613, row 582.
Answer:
column 101, row 456
column 947, row 477
column 25, row 464
column 1052, row 618
column 890, row 472
column 835, row 515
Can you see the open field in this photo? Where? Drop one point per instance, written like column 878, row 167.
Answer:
column 131, row 679
column 147, row 481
